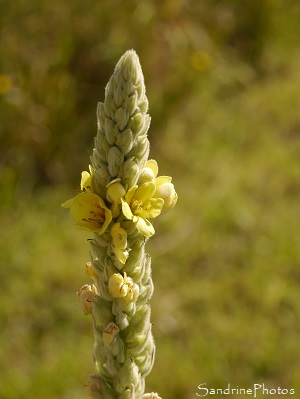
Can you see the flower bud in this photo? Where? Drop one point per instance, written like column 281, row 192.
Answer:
column 128, row 371
column 165, row 190
column 125, row 141
column 111, row 131
column 119, row 236
column 121, row 117
column 115, row 159
column 146, row 175
column 115, row 191
column 131, row 172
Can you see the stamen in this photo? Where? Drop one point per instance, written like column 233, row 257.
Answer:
column 99, row 220
column 136, row 206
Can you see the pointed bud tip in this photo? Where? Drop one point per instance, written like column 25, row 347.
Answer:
column 130, row 64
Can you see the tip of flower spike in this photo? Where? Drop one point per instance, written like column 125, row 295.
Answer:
column 130, row 56
column 130, row 65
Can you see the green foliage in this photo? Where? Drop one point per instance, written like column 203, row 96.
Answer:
column 222, row 83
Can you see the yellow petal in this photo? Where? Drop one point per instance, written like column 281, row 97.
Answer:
column 86, row 181
column 130, row 193
column 162, row 180
column 152, row 164
column 91, row 170
column 152, row 208
column 68, row 203
column 144, row 226
column 144, row 192
column 121, row 255
column 126, row 210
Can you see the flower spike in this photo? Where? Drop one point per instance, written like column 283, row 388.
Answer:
column 119, row 197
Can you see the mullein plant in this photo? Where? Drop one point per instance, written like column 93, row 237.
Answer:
column 118, row 198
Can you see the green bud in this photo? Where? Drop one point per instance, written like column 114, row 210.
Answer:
column 130, row 172
column 125, row 141
column 102, row 311
column 115, row 160
column 121, row 117
column 132, row 104
column 111, row 131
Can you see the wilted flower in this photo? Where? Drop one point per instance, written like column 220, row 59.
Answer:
column 85, row 296
column 110, row 332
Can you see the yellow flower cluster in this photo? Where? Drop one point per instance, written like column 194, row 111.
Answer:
column 149, row 198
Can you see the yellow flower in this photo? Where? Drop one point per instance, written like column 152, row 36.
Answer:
column 163, row 187
column 123, row 287
column 85, row 296
column 119, row 237
column 139, row 205
column 89, row 212
column 86, row 180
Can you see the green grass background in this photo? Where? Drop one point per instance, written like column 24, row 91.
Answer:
column 223, row 82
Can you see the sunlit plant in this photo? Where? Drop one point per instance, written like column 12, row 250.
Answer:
column 119, row 197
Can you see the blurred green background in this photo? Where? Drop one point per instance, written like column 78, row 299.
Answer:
column 223, row 82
